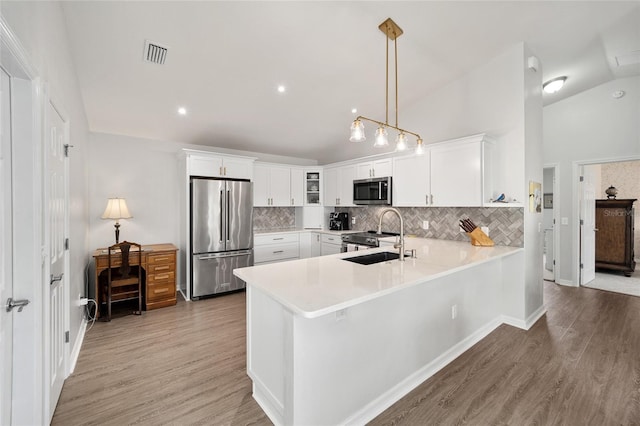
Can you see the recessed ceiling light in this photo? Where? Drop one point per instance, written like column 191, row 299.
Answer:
column 353, row 110
column 182, row 111
column 281, row 89
column 553, row 85
column 618, row 94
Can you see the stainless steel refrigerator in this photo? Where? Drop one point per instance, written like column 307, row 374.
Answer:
column 221, row 234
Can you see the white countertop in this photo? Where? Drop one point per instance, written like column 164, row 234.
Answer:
column 320, row 285
column 292, row 230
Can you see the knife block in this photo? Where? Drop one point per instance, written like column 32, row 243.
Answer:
column 479, row 238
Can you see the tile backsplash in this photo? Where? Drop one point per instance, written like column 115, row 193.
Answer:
column 274, row 217
column 506, row 224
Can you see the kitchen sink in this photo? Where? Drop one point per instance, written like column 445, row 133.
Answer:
column 370, row 259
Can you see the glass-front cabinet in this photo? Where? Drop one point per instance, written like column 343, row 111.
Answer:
column 312, row 187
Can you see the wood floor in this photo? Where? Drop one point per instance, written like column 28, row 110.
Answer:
column 578, row 365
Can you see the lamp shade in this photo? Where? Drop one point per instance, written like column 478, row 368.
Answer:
column 116, row 209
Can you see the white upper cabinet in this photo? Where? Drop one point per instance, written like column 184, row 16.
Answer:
column 338, row 186
column 412, row 180
column 330, row 187
column 206, row 164
column 272, row 185
column 297, row 187
column 313, row 185
column 457, row 173
column 371, row 169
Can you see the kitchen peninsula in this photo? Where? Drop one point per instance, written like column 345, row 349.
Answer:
column 330, row 341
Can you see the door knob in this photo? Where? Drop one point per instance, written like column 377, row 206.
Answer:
column 20, row 304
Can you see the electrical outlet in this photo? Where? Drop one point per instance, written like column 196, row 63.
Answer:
column 341, row 314
column 454, row 311
column 461, row 229
column 425, row 224
column 485, row 229
column 353, row 220
column 564, row 220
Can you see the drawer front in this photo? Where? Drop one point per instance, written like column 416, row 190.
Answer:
column 160, row 277
column 103, row 262
column 260, row 240
column 160, row 268
column 331, row 239
column 161, row 258
column 161, row 290
column 276, row 252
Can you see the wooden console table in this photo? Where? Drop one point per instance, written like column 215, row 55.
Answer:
column 159, row 265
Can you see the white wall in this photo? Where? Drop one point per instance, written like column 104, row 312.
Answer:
column 533, row 232
column 587, row 127
column 40, row 28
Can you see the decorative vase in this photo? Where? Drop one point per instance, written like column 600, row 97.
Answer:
column 611, row 192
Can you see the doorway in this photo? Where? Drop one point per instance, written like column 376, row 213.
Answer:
column 549, row 212
column 624, row 175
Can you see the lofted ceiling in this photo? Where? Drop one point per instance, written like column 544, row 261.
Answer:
column 226, row 59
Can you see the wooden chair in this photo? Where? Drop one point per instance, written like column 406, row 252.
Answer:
column 124, row 282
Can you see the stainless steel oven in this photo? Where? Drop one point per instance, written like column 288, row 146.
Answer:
column 372, row 191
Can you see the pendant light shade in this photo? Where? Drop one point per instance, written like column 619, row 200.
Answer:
column 419, row 147
column 401, row 142
column 392, row 31
column 357, row 131
column 382, row 139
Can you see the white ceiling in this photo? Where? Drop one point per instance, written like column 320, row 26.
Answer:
column 226, row 59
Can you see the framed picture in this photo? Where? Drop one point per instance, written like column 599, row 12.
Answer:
column 535, row 197
column 548, row 201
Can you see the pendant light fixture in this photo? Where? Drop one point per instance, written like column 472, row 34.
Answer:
column 392, row 31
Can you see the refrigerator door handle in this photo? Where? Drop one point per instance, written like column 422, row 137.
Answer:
column 220, row 227
column 227, row 209
column 228, row 254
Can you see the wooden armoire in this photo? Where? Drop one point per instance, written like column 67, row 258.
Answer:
column 614, row 236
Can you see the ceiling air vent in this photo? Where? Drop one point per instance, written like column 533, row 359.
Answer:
column 154, row 52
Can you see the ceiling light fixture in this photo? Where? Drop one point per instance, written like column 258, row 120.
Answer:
column 281, row 89
column 553, row 85
column 392, row 31
column 182, row 111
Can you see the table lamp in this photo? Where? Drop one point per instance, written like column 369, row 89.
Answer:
column 116, row 209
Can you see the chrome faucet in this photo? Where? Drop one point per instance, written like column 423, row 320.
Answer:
column 399, row 245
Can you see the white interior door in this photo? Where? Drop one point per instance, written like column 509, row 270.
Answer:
column 588, row 226
column 6, row 256
column 56, row 206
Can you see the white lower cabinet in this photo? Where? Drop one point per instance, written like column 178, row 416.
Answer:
column 271, row 248
column 310, row 244
column 331, row 244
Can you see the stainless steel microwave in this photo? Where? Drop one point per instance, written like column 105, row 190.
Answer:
column 372, row 191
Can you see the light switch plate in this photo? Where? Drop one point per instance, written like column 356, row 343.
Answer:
column 425, row 224
column 564, row 221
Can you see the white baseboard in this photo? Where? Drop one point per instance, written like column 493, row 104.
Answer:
column 528, row 323
column 568, row 283
column 377, row 406
column 77, row 345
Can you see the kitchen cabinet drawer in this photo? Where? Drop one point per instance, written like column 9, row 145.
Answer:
column 276, row 252
column 165, row 276
column 331, row 239
column 260, row 240
column 161, row 290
